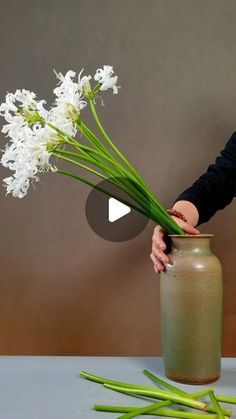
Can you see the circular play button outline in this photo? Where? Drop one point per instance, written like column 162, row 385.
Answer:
column 100, row 208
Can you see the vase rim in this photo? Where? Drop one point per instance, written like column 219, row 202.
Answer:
column 195, row 236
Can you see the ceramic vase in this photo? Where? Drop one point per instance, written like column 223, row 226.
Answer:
column 191, row 311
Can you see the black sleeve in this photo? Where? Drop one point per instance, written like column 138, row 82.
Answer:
column 217, row 187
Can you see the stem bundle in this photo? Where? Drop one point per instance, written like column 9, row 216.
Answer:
column 103, row 160
column 172, row 395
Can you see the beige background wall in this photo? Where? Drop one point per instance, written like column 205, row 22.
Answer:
column 63, row 290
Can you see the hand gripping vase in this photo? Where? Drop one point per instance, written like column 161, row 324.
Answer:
column 191, row 311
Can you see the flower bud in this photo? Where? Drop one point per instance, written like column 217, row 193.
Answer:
column 87, row 87
column 73, row 113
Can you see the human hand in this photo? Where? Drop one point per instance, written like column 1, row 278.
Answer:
column 159, row 246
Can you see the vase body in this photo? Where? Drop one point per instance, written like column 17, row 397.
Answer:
column 191, row 311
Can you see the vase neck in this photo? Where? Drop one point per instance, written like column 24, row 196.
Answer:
column 196, row 245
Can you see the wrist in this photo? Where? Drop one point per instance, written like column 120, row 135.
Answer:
column 177, row 214
column 188, row 210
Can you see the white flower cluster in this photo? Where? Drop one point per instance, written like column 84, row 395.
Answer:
column 28, row 121
column 26, row 154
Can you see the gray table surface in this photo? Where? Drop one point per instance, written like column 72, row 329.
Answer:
column 43, row 387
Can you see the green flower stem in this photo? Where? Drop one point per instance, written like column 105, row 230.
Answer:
column 94, row 172
column 158, row 215
column 68, row 138
column 201, row 393
column 146, row 409
column 216, row 405
column 122, row 157
column 152, row 211
column 180, row 392
column 159, row 394
column 148, row 211
column 103, row 380
column 165, row 384
column 226, row 399
column 155, row 211
column 175, row 389
column 106, row 136
column 106, row 169
column 57, row 154
column 170, row 224
column 137, row 177
column 162, row 217
column 92, row 138
column 158, row 412
column 111, row 178
column 92, row 185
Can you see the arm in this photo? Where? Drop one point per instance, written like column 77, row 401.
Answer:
column 214, row 189
column 211, row 192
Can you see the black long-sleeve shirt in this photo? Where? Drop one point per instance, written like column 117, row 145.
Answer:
column 217, row 187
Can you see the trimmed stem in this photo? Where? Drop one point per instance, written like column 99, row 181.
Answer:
column 226, row 399
column 103, row 380
column 215, row 403
column 159, row 394
column 177, row 390
column 146, row 409
column 158, row 412
column 165, row 384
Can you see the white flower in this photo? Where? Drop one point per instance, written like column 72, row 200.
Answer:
column 15, row 109
column 9, row 105
column 69, row 92
column 16, row 125
column 17, row 185
column 105, row 78
column 25, row 97
column 27, row 157
column 84, row 83
column 59, row 116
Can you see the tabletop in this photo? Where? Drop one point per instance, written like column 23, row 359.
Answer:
column 50, row 387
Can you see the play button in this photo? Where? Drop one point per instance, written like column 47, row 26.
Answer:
column 116, row 210
column 110, row 216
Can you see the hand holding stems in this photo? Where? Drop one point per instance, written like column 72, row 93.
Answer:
column 158, row 254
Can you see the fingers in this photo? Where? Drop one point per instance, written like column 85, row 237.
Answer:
column 158, row 266
column 158, row 257
column 157, row 237
column 158, row 252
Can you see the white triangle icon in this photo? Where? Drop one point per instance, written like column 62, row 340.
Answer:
column 116, row 210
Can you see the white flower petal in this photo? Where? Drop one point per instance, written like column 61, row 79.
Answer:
column 105, row 78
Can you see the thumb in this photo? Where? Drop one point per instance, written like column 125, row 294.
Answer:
column 186, row 227
column 190, row 229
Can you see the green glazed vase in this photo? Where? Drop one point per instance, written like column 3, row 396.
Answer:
column 191, row 311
